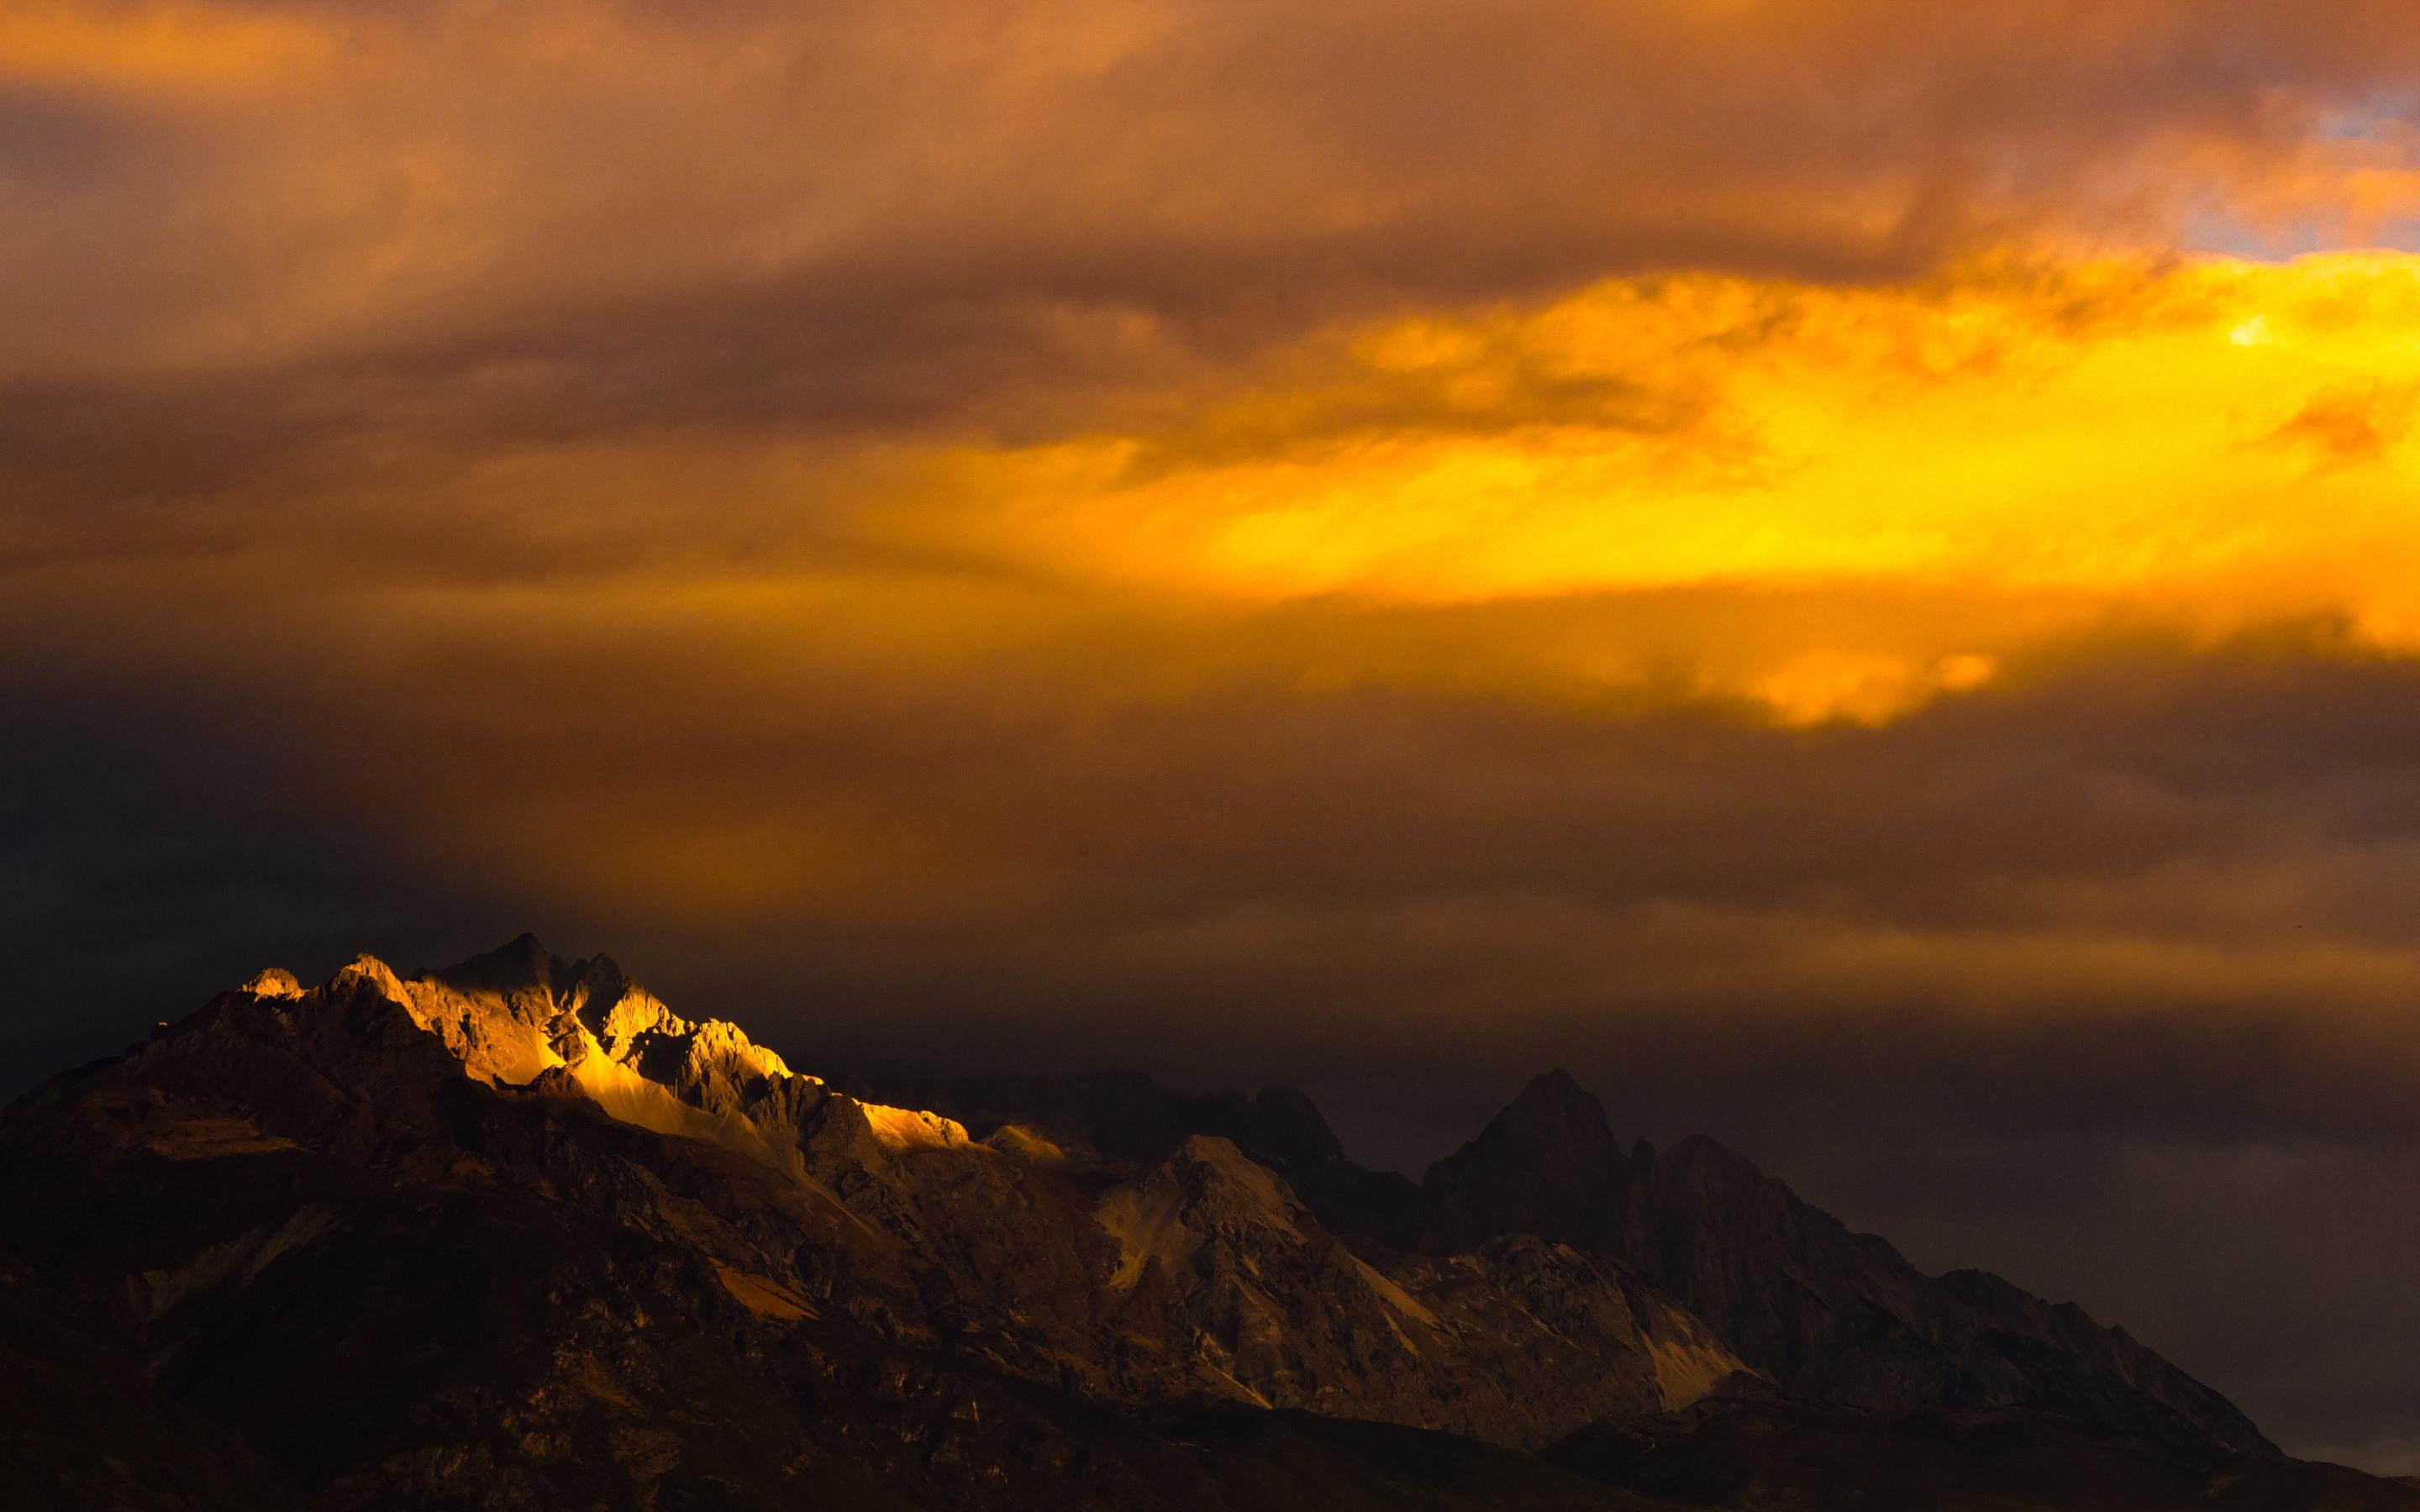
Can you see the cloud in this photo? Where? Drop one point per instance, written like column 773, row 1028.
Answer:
column 1751, row 547
column 2359, row 422
column 293, row 182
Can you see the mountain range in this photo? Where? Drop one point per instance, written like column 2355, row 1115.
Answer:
column 513, row 1233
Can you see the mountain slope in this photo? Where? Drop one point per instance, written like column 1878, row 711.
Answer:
column 660, row 1201
column 1829, row 1313
column 515, row 1233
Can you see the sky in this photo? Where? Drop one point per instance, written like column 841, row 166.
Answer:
column 1847, row 569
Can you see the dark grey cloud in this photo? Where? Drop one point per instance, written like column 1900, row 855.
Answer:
column 1409, row 904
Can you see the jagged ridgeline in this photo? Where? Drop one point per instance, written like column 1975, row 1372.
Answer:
column 514, row 1233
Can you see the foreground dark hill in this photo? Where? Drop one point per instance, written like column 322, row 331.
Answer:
column 516, row 1234
column 1750, row 1447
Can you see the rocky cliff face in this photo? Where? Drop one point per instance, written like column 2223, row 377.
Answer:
column 515, row 1233
column 280, row 1137
column 1831, row 1315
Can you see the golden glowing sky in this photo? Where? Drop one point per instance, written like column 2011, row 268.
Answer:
column 1874, row 544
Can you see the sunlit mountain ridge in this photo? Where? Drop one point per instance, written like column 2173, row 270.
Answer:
column 630, row 1203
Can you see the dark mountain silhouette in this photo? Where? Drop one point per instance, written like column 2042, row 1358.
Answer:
column 514, row 1233
column 1832, row 1315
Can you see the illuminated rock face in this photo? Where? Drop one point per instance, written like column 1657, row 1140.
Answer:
column 597, row 1209
column 1199, row 1274
column 519, row 1017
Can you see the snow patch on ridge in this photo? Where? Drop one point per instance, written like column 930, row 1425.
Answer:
column 1393, row 1295
column 914, row 1129
column 1029, row 1142
column 1686, row 1373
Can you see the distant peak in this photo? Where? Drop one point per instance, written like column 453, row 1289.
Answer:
column 1548, row 1165
column 1554, row 1105
column 1557, row 1085
column 1284, row 1125
column 275, row 982
column 1706, row 1153
column 368, row 971
column 603, row 971
column 526, row 950
column 520, row 962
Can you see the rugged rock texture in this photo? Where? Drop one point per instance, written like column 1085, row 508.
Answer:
column 1831, row 1315
column 1504, row 1343
column 516, row 1234
column 1548, row 1165
column 538, row 1219
column 1128, row 1119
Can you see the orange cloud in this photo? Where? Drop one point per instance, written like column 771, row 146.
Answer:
column 461, row 185
column 2108, row 441
column 722, row 466
column 165, row 47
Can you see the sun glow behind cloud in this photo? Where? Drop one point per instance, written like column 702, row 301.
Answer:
column 1800, row 365
column 2206, row 448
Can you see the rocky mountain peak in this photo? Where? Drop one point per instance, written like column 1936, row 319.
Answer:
column 1548, row 1165
column 367, row 973
column 1554, row 1109
column 1281, row 1124
column 522, row 965
column 1125, row 1247
column 275, row 982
